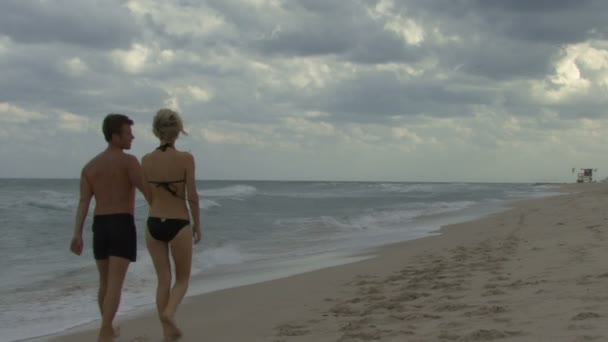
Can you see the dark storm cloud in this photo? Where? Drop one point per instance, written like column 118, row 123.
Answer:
column 37, row 77
column 382, row 94
column 543, row 21
column 501, row 59
column 341, row 29
column 300, row 42
column 94, row 24
column 496, row 42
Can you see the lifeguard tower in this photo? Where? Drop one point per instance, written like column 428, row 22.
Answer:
column 585, row 176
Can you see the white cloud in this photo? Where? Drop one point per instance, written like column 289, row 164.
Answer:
column 10, row 113
column 229, row 133
column 167, row 55
column 229, row 138
column 133, row 60
column 276, row 4
column 179, row 95
column 408, row 29
column 4, row 44
column 402, row 133
column 199, row 93
column 512, row 125
column 304, row 126
column 580, row 68
column 310, row 72
column 412, row 32
column 73, row 122
column 178, row 20
column 362, row 134
column 75, row 66
column 591, row 57
column 172, row 102
column 141, row 58
column 316, row 114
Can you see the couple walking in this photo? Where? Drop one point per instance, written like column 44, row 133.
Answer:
column 166, row 178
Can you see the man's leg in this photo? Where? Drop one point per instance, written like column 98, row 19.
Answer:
column 102, row 268
column 117, row 269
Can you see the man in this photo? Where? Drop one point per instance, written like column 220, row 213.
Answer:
column 111, row 177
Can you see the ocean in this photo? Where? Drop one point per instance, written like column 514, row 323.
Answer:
column 252, row 231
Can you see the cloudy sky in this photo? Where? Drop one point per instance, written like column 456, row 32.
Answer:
column 386, row 90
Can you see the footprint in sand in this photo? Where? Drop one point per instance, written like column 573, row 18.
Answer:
column 394, row 278
column 365, row 282
column 585, row 315
column 489, row 334
column 585, row 280
column 590, row 338
column 343, row 310
column 374, row 298
column 451, row 307
column 369, row 335
column 581, row 326
column 448, row 287
column 410, row 296
column 499, row 278
column 486, row 310
column 491, row 286
column 385, row 305
column 450, row 297
column 446, row 336
column 420, row 316
column 291, row 330
column 450, row 325
column 365, row 276
column 372, row 290
column 522, row 219
column 521, row 283
column 314, row 321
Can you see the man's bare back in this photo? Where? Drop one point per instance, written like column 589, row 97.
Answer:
column 109, row 176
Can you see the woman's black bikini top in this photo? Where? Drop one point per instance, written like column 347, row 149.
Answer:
column 167, row 185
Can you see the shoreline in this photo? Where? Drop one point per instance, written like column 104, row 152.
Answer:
column 382, row 257
column 254, row 274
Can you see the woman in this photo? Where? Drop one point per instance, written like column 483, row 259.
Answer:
column 170, row 177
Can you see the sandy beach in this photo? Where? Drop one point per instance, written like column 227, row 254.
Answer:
column 537, row 272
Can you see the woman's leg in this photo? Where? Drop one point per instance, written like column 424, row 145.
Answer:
column 181, row 250
column 159, row 252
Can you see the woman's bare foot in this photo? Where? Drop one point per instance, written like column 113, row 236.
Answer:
column 106, row 335
column 172, row 332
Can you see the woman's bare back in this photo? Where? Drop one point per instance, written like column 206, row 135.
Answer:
column 166, row 173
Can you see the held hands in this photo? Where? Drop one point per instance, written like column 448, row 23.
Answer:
column 76, row 245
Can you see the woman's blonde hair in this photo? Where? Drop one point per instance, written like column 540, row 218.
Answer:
column 167, row 125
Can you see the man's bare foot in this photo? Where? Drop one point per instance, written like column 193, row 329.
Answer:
column 172, row 332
